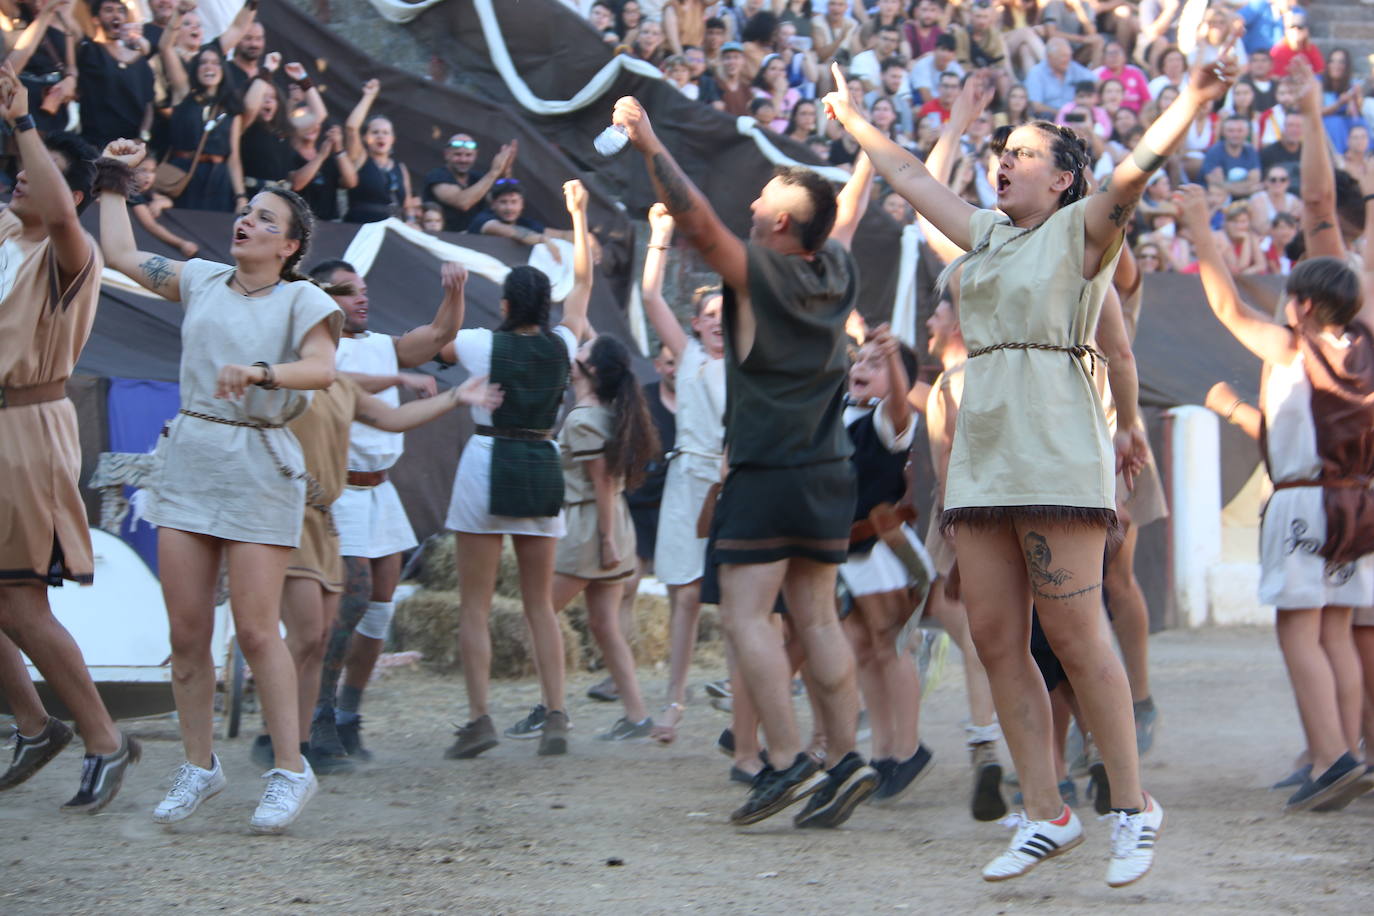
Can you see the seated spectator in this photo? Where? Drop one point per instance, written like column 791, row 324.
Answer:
column 757, row 38
column 320, row 168
column 114, row 78
column 924, row 28
column 1263, row 24
column 1233, row 163
column 204, row 107
column 1274, row 199
column 646, row 42
column 505, row 217
column 1135, row 87
column 1126, row 133
column 820, row 148
column 887, row 15
column 896, row 91
column 1173, row 71
column 142, row 203
column 1259, row 76
column 458, row 187
column 432, row 218
column 868, row 65
column 628, row 19
column 1051, row 82
column 1073, row 22
column 1018, row 110
column 1157, row 199
column 1356, row 160
column 684, row 23
column 802, row 70
column 1340, row 99
column 1213, row 33
column 1241, row 104
column 700, row 76
column 1155, row 108
column 895, row 206
column 771, row 83
column 1024, row 34
column 678, row 74
column 1148, row 257
column 1286, row 152
column 717, row 34
column 1203, row 134
column 269, row 123
column 981, row 45
column 936, row 112
column 1240, row 248
column 1296, row 41
column 1111, row 95
column 930, row 68
column 883, row 114
column 762, row 110
column 383, row 189
column 602, row 18
column 835, row 35
column 1085, row 97
column 735, row 91
column 1282, row 231
column 802, row 123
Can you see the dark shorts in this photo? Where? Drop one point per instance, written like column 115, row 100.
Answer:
column 1045, row 659
column 645, row 519
column 769, row 514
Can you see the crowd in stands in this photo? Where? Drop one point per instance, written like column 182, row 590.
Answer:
column 1105, row 68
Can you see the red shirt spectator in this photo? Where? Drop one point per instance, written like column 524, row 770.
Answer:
column 930, row 108
column 1296, row 40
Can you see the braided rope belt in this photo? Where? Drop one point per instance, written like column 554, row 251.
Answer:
column 314, row 493
column 1077, row 351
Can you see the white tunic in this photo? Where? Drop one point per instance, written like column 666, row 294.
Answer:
column 369, row 448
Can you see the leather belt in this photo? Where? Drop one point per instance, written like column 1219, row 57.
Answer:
column 204, row 157
column 23, row 396
column 1335, row 483
column 871, row 527
column 366, row 478
column 512, row 432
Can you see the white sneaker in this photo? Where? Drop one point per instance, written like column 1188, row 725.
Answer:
column 1133, row 843
column 191, row 786
column 1033, row 843
column 283, row 799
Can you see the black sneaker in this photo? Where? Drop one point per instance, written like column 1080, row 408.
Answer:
column 324, row 735
column 988, row 804
column 625, row 730
column 604, row 691
column 326, row 764
column 1293, row 779
column 738, row 775
column 904, row 774
column 530, row 726
column 261, row 752
column 774, row 790
column 102, row 775
column 477, row 737
column 846, row 784
column 32, row 754
column 350, row 736
column 1333, row 789
column 726, row 743
column 886, row 767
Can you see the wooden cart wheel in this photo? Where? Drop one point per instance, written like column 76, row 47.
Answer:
column 238, row 674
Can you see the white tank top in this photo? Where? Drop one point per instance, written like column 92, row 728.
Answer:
column 371, row 449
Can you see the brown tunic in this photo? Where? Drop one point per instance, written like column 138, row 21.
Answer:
column 323, row 434
column 44, row 536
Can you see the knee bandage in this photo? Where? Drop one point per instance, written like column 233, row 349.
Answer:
column 376, row 622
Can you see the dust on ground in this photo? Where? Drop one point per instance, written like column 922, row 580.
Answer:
column 638, row 828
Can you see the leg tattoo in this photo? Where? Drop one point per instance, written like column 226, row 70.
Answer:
column 1040, row 565
column 352, row 607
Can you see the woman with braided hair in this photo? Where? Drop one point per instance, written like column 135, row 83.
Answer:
column 1030, row 489
column 230, row 483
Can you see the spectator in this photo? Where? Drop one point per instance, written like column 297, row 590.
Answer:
column 204, row 107
column 884, row 117
column 602, row 18
column 505, row 217
column 269, row 124
column 1157, row 198
column 1213, row 33
column 763, row 111
column 1151, row 111
column 383, row 189
column 432, row 218
column 716, row 36
column 735, row 91
column 320, row 168
column 1240, row 248
column 802, row 123
column 458, row 187
column 1135, row 87
column 1148, row 258
column 930, row 68
column 646, row 42
column 1203, row 134
column 894, row 88
column 895, row 206
column 678, row 74
column 1125, row 127
column 1085, row 97
column 114, row 78
column 1259, row 76
column 1111, row 96
column 1356, row 159
column 1241, row 104
column 700, row 76
column 141, row 204
column 868, row 65
column 739, row 15
column 800, row 15
column 629, row 19
column 771, row 83
column 1263, row 24
column 1023, row 34
column 44, row 56
column 1281, row 234
column 924, row 29
column 1273, row 199
column 1051, row 82
column 936, row 112
column 162, row 11
column 246, row 61
column 835, row 35
column 1233, row 163
column 757, row 38
column 1173, row 70
column 1018, row 108
column 1073, row 22
column 1272, row 119
column 684, row 23
column 1286, row 151
column 1296, row 41
column 800, row 61
column 887, row 13
column 981, row 45
column 1340, row 99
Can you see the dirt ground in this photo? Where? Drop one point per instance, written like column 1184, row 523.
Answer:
column 642, row 829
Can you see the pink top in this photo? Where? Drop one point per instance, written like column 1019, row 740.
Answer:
column 1136, row 85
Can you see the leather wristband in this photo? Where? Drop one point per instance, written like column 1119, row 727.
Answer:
column 305, row 83
column 269, row 378
column 113, row 175
column 24, row 122
column 1146, row 159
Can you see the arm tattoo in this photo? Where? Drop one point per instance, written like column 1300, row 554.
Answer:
column 1040, row 563
column 156, row 270
column 1324, row 225
column 676, row 190
column 364, row 417
column 1121, row 213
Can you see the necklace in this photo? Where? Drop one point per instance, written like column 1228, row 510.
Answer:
column 251, row 292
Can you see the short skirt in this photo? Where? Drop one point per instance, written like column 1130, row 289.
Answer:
column 469, row 507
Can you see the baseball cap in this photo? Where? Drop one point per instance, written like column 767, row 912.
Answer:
column 732, row 46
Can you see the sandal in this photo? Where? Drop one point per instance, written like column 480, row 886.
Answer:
column 665, row 730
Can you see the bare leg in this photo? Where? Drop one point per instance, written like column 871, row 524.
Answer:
column 1339, row 645
column 256, row 575
column 954, row 618
column 748, row 592
column 629, row 625
column 535, row 556
column 685, row 615
column 1364, row 645
column 880, row 718
column 603, row 602
column 1065, row 565
column 744, row 720
column 1130, row 616
column 479, row 558
column 364, row 651
column 1314, row 685
column 190, row 599
column 1061, row 713
column 17, row 688
column 885, row 614
column 308, row 619
column 809, row 588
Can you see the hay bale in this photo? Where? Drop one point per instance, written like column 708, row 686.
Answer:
column 427, row 622
column 437, row 568
column 512, row 654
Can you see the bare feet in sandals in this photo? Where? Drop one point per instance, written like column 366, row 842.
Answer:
column 665, row 729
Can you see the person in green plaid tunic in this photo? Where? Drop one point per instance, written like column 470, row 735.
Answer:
column 509, row 481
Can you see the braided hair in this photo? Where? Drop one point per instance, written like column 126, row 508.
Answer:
column 635, row 440
column 301, row 229
column 528, row 297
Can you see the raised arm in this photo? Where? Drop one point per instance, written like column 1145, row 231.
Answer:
column 151, row 271
column 32, row 36
column 315, row 112
column 1320, row 227
column 973, row 99
column 259, row 87
column 419, row 345
column 229, row 39
column 1109, row 210
column 449, row 193
column 475, row 392
column 946, row 210
column 895, row 406
column 1255, row 331
column 575, row 305
column 656, row 309
column 721, row 249
column 353, row 126
column 852, row 201
column 173, row 67
column 1367, row 266
column 43, row 182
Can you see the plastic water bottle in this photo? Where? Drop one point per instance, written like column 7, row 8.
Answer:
column 611, row 140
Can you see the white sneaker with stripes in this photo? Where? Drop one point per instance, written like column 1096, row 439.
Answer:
column 1033, row 843
column 1133, row 843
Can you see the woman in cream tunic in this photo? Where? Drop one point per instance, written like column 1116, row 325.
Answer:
column 1030, row 488
column 230, row 483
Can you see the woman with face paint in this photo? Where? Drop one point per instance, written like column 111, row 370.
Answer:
column 1030, row 495
column 230, row 484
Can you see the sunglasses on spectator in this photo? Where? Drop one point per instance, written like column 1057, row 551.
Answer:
column 1300, row 26
column 1276, row 179
column 462, row 144
column 500, row 183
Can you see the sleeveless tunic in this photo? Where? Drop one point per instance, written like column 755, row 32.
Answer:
column 378, row 195
column 583, row 439
column 323, row 434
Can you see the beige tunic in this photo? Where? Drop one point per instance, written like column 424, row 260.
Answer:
column 44, row 536
column 1031, row 429
column 235, row 482
column 323, row 432
column 583, row 439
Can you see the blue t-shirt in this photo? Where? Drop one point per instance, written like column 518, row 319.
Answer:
column 1235, row 168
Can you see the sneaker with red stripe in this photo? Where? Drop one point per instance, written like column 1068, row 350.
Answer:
column 1033, row 843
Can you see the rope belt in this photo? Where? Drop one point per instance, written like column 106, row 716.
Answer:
column 514, row 432
column 1335, row 483
column 1077, row 351
column 314, row 493
column 23, row 396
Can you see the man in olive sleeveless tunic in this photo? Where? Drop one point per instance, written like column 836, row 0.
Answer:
column 782, row 522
